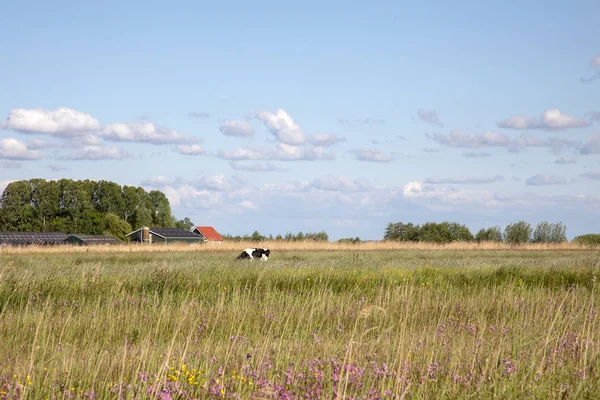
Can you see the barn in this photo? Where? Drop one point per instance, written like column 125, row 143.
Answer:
column 208, row 233
column 164, row 235
column 29, row 238
column 91, row 239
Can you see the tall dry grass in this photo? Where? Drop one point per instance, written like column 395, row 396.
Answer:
column 294, row 246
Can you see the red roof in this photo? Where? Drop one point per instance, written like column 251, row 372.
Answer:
column 209, row 232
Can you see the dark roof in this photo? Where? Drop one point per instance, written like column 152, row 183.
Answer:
column 174, row 233
column 23, row 238
column 209, row 232
column 96, row 239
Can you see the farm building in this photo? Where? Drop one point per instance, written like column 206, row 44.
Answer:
column 91, row 239
column 209, row 233
column 164, row 235
column 29, row 238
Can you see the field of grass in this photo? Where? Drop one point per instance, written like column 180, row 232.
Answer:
column 352, row 322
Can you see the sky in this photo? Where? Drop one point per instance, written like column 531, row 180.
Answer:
column 312, row 116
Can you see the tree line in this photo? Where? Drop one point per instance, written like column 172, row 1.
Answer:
column 446, row 232
column 85, row 207
column 289, row 237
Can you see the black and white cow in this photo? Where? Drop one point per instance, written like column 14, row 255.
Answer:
column 251, row 254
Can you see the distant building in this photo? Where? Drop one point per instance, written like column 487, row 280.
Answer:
column 164, row 235
column 92, row 239
column 32, row 238
column 208, row 233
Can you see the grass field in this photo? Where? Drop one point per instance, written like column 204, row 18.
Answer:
column 346, row 322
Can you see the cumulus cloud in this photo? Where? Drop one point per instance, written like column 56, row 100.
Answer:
column 476, row 154
column 236, row 128
column 430, row 116
column 472, row 140
column 13, row 149
column 282, row 152
column 341, row 184
column 595, row 63
column 248, row 205
column 591, row 175
column 156, row 181
column 94, row 153
column 282, row 126
column 191, row 149
column 256, row 167
column 200, row 115
column 430, row 150
column 592, row 145
column 565, row 160
column 542, row 180
column 464, row 180
column 371, row 155
column 144, row 132
column 326, row 140
column 444, row 198
column 62, row 122
column 550, row 119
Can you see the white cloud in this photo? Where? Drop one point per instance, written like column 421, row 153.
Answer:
column 443, row 198
column 550, row 119
column 341, row 184
column 464, row 180
column 237, row 128
column 565, row 160
column 282, row 152
column 13, row 149
column 543, row 180
column 191, row 149
column 62, row 122
column 156, row 181
column 144, row 132
column 592, row 145
column 591, row 175
column 282, row 126
column 595, row 62
column 248, row 205
column 94, row 153
column 256, row 167
column 430, row 116
column 371, row 155
column 472, row 140
column 326, row 140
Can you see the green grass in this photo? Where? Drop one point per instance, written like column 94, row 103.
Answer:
column 387, row 324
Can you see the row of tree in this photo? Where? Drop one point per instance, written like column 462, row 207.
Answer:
column 288, row 237
column 446, row 232
column 86, row 207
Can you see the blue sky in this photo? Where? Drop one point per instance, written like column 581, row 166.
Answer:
column 315, row 115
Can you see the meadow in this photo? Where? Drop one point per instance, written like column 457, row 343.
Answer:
column 369, row 321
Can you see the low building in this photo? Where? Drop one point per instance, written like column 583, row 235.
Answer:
column 208, row 233
column 92, row 239
column 164, row 235
column 32, row 238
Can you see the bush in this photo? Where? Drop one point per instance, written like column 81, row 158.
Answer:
column 519, row 232
column 589, row 239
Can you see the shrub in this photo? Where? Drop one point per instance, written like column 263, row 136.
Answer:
column 589, row 239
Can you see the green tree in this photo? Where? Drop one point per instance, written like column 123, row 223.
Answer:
column 519, row 232
column 185, row 223
column 493, row 234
